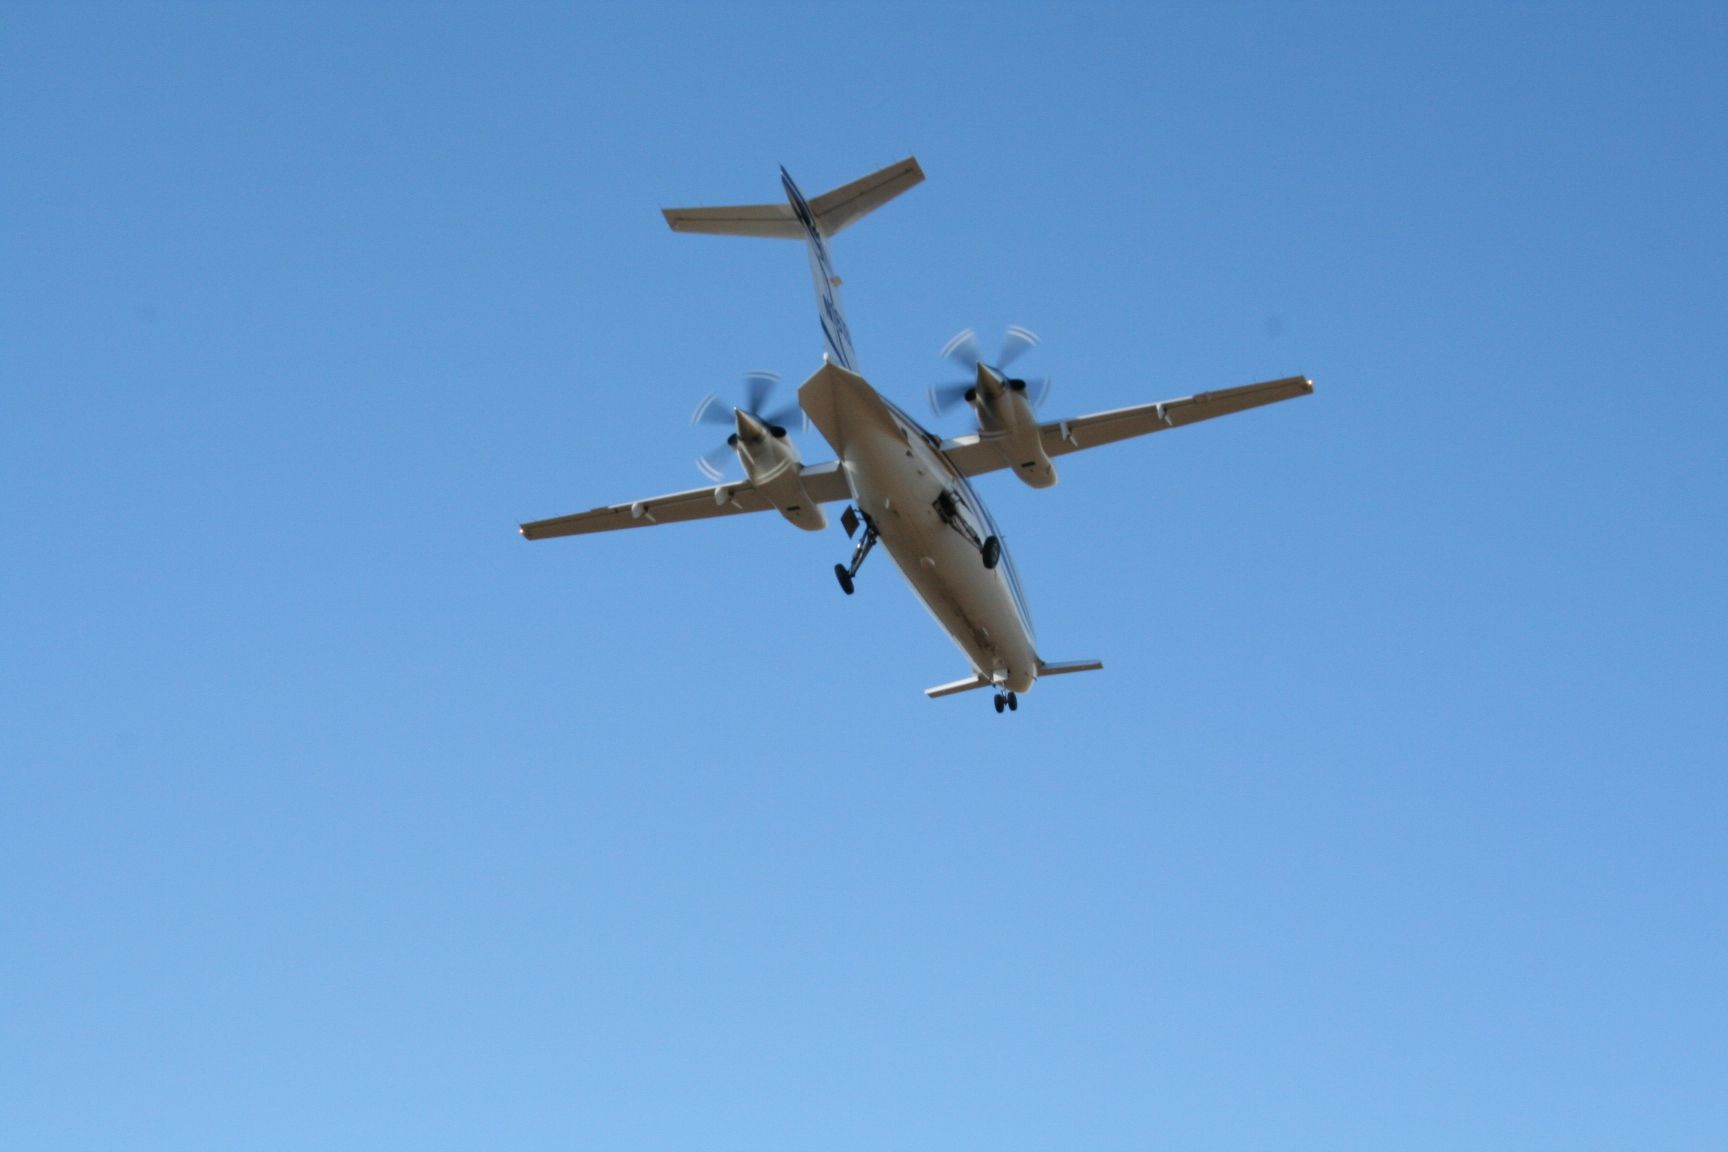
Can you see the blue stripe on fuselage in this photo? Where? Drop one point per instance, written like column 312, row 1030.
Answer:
column 834, row 330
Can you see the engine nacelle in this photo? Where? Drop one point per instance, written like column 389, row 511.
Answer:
column 1005, row 417
column 771, row 461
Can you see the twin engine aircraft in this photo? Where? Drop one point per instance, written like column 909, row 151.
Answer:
column 906, row 488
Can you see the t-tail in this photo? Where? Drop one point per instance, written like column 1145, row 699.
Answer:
column 815, row 221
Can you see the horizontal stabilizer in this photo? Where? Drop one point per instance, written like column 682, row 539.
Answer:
column 832, row 210
column 958, row 686
column 1062, row 669
column 739, row 220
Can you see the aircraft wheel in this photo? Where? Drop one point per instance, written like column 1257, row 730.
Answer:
column 1001, row 702
column 992, row 552
column 1013, row 702
column 844, row 577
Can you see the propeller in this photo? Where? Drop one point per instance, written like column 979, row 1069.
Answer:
column 758, row 390
column 965, row 351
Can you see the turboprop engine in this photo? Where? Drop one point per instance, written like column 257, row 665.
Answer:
column 767, row 454
column 1004, row 404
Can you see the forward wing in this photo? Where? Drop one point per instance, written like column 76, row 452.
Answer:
column 973, row 456
column 825, row 483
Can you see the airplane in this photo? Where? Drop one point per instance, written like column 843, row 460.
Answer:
column 907, row 488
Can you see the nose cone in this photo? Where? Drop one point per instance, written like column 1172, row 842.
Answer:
column 749, row 428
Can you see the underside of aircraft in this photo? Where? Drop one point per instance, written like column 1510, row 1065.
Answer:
column 903, row 486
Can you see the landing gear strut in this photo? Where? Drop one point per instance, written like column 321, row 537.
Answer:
column 1007, row 700
column 948, row 507
column 850, row 520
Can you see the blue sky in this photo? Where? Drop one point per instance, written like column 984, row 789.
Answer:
column 332, row 814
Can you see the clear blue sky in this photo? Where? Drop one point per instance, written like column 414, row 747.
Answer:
column 333, row 815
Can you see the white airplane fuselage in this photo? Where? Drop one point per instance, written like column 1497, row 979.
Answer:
column 931, row 522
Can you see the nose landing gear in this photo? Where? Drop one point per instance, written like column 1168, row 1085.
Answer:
column 1007, row 700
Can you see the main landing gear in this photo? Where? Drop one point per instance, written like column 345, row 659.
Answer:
column 1007, row 699
column 989, row 548
column 850, row 520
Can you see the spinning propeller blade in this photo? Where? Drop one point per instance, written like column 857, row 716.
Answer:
column 758, row 386
column 712, row 461
column 711, row 411
column 758, row 389
column 965, row 351
column 1014, row 344
column 943, row 397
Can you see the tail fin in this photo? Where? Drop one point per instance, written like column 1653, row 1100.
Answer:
column 815, row 221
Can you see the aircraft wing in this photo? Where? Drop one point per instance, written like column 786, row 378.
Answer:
column 824, row 483
column 972, row 455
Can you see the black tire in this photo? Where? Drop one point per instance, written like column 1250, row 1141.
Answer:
column 992, row 552
column 844, row 577
column 1013, row 702
column 1001, row 703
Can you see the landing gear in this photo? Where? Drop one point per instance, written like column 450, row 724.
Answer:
column 950, row 507
column 850, row 521
column 1007, row 700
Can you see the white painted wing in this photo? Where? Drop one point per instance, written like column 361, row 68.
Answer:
column 973, row 456
column 825, row 483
